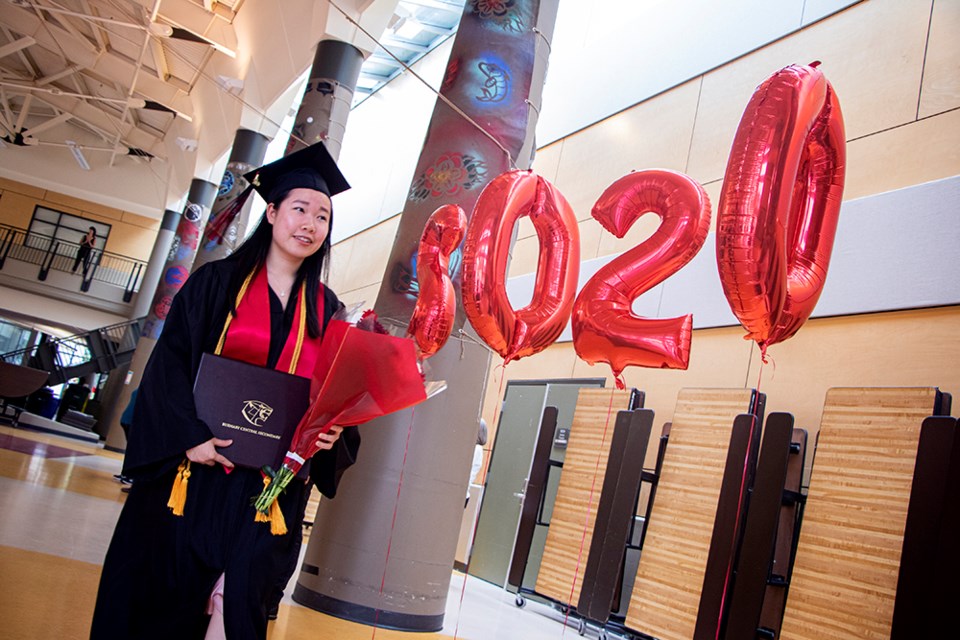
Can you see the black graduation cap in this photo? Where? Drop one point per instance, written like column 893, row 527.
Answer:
column 310, row 168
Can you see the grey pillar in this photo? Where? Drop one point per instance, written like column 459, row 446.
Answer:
column 116, row 392
column 247, row 153
column 175, row 270
column 346, row 560
column 158, row 257
column 326, row 102
column 182, row 253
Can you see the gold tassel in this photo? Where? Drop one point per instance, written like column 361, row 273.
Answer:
column 278, row 526
column 178, row 494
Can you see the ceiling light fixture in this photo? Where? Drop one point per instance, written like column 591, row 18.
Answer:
column 78, row 155
column 229, row 84
column 187, row 144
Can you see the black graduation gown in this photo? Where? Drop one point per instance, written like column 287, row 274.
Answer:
column 160, row 568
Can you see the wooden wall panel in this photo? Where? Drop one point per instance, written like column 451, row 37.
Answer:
column 654, row 133
column 848, row 558
column 666, row 592
column 575, row 509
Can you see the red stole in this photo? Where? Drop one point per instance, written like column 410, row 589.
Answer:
column 248, row 333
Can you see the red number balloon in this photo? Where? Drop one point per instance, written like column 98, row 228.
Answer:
column 486, row 249
column 778, row 209
column 604, row 327
column 436, row 307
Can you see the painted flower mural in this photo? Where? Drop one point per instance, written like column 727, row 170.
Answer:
column 449, row 175
column 503, row 13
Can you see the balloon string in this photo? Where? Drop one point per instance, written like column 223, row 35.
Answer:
column 393, row 524
column 586, row 520
column 439, row 95
column 473, row 538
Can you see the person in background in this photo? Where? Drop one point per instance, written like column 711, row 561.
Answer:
column 87, row 243
column 265, row 305
column 477, row 457
column 126, row 419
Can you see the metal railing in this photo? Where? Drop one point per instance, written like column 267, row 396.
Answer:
column 97, row 351
column 61, row 255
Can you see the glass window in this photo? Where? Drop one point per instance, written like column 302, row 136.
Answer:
column 50, row 225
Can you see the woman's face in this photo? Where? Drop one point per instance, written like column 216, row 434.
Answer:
column 300, row 223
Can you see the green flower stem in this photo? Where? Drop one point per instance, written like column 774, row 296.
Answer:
column 277, row 484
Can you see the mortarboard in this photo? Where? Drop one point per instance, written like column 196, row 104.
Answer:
column 310, row 168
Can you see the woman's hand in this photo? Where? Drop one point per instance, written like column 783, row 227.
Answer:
column 207, row 453
column 328, row 439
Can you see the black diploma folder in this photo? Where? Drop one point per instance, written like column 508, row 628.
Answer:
column 256, row 407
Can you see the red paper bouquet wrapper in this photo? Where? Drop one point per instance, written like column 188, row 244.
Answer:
column 360, row 375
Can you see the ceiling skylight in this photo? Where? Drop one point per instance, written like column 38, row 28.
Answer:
column 416, row 29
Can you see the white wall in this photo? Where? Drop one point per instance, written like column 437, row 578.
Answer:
column 56, row 311
column 605, row 56
column 609, row 55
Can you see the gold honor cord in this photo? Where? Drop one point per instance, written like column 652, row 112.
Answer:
column 301, row 326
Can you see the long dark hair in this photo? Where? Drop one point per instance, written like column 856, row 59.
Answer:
column 252, row 254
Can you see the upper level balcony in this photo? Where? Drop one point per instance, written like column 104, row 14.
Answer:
column 50, row 267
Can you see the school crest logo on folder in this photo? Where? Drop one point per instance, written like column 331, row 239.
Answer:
column 256, row 412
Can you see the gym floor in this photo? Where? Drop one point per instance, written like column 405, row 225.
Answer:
column 59, row 501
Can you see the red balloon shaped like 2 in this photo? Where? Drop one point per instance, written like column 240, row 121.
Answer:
column 436, row 307
column 486, row 248
column 604, row 327
column 780, row 201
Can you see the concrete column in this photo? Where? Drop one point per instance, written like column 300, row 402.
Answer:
column 247, row 153
column 158, row 257
column 175, row 270
column 326, row 102
column 182, row 253
column 498, row 76
column 116, row 391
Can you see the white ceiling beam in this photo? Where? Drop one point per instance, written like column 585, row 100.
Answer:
column 203, row 24
column 49, row 124
column 6, row 106
column 24, row 112
column 97, row 131
column 102, row 123
column 5, row 125
column 133, row 83
column 21, row 53
column 159, row 59
column 106, row 65
column 99, row 119
column 101, row 43
column 16, row 45
column 53, row 77
column 64, row 21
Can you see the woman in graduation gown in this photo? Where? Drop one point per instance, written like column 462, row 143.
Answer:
column 160, row 568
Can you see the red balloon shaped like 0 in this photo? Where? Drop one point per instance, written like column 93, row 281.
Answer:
column 605, row 329
column 486, row 250
column 778, row 209
column 436, row 308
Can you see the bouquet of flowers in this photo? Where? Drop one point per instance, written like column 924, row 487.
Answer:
column 361, row 373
